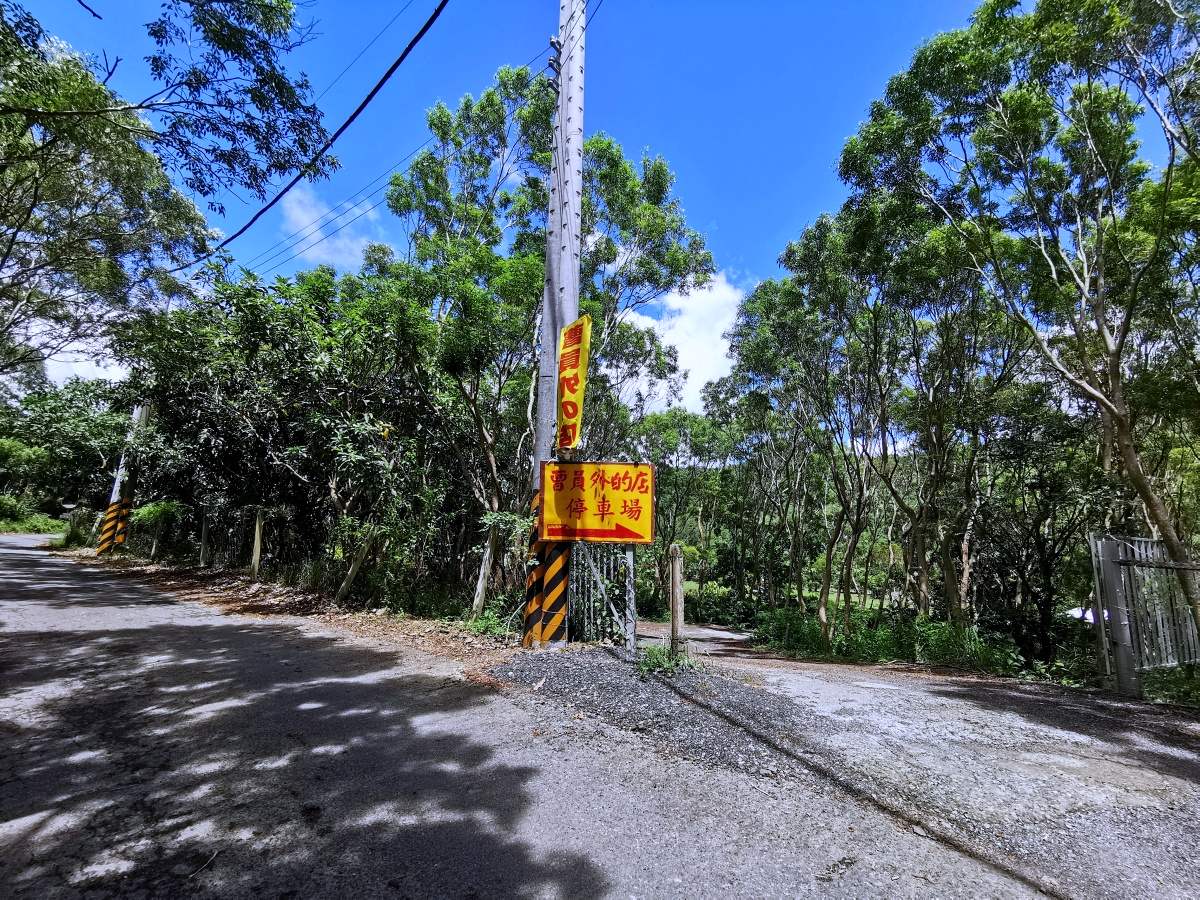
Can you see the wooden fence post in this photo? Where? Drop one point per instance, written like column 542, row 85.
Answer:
column 676, row 599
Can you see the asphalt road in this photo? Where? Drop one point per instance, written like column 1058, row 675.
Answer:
column 1097, row 793
column 153, row 747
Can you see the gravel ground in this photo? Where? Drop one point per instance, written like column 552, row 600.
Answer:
column 600, row 683
column 993, row 787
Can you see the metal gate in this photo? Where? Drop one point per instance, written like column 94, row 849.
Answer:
column 601, row 594
column 1143, row 620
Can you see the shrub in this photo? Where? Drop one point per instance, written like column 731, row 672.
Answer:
column 13, row 508
column 156, row 514
column 895, row 635
column 488, row 622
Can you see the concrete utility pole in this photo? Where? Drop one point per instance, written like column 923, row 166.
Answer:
column 137, row 419
column 560, row 306
column 114, row 526
column 560, row 303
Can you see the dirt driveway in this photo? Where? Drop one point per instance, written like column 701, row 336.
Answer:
column 1101, row 791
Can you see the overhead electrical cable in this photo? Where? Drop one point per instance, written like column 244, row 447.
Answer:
column 369, row 45
column 334, row 213
column 329, row 142
column 339, row 210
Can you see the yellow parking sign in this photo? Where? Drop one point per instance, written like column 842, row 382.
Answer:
column 605, row 502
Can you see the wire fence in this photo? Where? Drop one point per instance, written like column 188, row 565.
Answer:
column 601, row 595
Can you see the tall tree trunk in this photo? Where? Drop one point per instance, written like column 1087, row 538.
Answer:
column 485, row 571
column 798, row 570
column 203, row 540
column 827, row 575
column 950, row 577
column 919, row 566
column 846, row 589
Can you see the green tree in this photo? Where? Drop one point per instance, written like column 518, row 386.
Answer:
column 93, row 218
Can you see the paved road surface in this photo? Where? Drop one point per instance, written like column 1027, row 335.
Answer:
column 1099, row 793
column 155, row 748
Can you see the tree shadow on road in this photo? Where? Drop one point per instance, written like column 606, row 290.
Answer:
column 253, row 760
column 1158, row 738
column 35, row 576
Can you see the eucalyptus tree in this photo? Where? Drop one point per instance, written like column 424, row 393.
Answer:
column 1023, row 140
column 96, row 191
column 473, row 207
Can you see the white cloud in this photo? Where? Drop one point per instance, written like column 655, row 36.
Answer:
column 343, row 249
column 695, row 324
column 68, row 364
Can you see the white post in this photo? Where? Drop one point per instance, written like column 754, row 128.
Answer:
column 256, row 557
column 203, row 540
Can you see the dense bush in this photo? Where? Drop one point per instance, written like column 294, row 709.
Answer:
column 892, row 636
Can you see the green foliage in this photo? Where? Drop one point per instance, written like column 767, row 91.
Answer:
column 158, row 514
column 488, row 622
column 12, row 507
column 387, row 410
column 894, row 638
column 1180, row 686
column 18, row 516
column 657, row 659
column 83, row 167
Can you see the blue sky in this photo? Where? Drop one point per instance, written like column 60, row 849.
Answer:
column 749, row 102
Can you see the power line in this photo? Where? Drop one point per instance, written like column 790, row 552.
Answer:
column 369, row 45
column 297, row 237
column 337, row 211
column 416, row 39
column 334, row 212
column 324, row 237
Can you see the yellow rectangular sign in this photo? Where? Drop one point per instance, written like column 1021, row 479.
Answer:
column 574, row 341
column 606, row 502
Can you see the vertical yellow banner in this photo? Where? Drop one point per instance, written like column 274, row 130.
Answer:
column 573, row 344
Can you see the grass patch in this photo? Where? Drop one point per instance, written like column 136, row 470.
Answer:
column 487, row 622
column 657, row 659
column 894, row 638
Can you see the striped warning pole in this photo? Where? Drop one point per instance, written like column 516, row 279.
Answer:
column 554, row 593
column 115, row 527
column 532, row 631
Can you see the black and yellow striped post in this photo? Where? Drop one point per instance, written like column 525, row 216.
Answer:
column 532, row 630
column 545, row 587
column 555, row 581
column 115, row 527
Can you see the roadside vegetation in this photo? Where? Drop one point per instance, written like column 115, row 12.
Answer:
column 990, row 351
column 17, row 516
